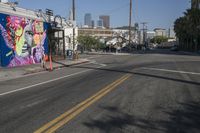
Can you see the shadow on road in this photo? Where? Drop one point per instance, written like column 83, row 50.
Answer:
column 167, row 52
column 168, row 78
column 136, row 67
column 110, row 122
column 183, row 120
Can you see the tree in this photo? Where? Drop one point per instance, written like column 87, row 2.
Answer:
column 88, row 43
column 193, row 16
column 180, row 28
column 159, row 39
column 187, row 31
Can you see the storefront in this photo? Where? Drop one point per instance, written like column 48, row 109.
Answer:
column 56, row 43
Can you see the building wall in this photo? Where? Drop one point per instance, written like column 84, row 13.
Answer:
column 23, row 41
column 160, row 32
column 88, row 19
column 171, row 33
column 100, row 23
column 22, row 12
column 96, row 32
column 106, row 21
column 150, row 34
column 69, row 38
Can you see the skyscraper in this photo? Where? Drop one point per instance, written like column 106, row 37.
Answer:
column 92, row 23
column 195, row 4
column 88, row 20
column 106, row 20
column 100, row 23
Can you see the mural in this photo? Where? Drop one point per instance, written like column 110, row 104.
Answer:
column 23, row 41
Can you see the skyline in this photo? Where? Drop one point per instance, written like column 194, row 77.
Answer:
column 158, row 13
column 102, row 21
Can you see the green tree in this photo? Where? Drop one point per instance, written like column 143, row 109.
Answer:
column 159, row 39
column 89, row 42
column 187, row 30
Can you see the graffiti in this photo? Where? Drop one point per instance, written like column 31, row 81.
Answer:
column 25, row 39
column 5, row 36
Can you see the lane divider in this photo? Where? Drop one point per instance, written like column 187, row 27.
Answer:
column 63, row 119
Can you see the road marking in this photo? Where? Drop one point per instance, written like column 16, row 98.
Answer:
column 37, row 73
column 96, row 63
column 63, row 119
column 94, row 57
column 173, row 71
column 42, row 83
column 56, row 79
column 33, row 104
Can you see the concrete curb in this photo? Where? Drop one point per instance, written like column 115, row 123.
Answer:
column 18, row 72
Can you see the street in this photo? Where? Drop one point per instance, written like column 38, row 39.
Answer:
column 136, row 93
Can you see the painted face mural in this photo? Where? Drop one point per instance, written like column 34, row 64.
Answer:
column 25, row 39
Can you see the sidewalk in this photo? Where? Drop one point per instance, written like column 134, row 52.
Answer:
column 16, row 72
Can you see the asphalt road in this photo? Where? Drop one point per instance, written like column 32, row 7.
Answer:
column 140, row 93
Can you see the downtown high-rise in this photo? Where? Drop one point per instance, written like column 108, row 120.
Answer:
column 106, row 21
column 88, row 20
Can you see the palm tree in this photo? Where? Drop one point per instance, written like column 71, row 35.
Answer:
column 187, row 30
column 194, row 21
column 180, row 27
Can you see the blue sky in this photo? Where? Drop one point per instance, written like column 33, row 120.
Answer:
column 158, row 13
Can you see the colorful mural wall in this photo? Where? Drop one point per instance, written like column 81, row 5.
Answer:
column 22, row 41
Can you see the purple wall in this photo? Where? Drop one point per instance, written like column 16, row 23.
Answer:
column 22, row 41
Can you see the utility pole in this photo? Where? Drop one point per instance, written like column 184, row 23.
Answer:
column 144, row 31
column 74, row 16
column 130, row 19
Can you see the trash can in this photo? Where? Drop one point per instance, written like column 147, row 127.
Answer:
column 69, row 54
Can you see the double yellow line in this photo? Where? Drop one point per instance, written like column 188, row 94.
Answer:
column 58, row 122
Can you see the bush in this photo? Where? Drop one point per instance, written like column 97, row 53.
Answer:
column 89, row 42
column 159, row 39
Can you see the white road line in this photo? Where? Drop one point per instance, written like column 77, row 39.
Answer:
column 42, row 83
column 96, row 63
column 91, row 57
column 37, row 73
column 33, row 104
column 94, row 57
column 56, row 79
column 173, row 71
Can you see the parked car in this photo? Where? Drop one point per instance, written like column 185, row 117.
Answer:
column 174, row 48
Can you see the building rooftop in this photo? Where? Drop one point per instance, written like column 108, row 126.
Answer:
column 13, row 9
